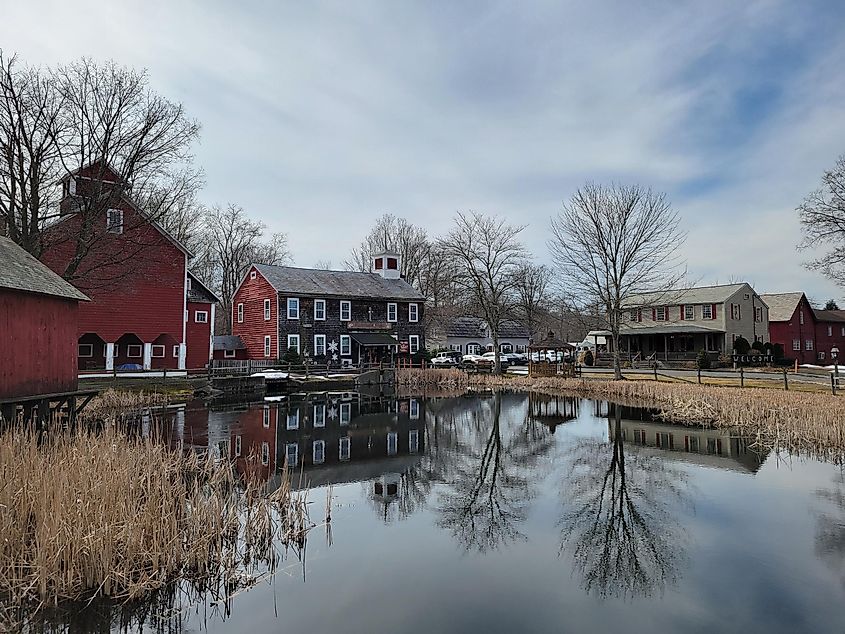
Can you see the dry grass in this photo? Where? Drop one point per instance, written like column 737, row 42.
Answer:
column 97, row 514
column 802, row 422
column 442, row 378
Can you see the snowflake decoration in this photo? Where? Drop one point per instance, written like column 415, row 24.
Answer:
column 332, row 412
column 334, row 357
column 333, row 347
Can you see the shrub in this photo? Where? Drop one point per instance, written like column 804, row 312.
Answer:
column 741, row 345
column 588, row 358
column 292, row 356
column 702, row 361
column 759, row 346
column 777, row 351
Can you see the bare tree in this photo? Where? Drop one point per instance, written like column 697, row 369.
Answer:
column 532, row 290
column 400, row 236
column 486, row 254
column 129, row 139
column 30, row 116
column 613, row 244
column 229, row 244
column 822, row 215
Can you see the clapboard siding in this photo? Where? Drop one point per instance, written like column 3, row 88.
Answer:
column 254, row 327
column 198, row 335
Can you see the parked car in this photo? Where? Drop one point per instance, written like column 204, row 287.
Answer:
column 447, row 359
column 517, row 358
column 503, row 359
column 476, row 360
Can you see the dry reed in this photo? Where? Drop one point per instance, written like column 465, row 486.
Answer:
column 97, row 514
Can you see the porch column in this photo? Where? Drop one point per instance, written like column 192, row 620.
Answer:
column 183, row 352
column 148, row 356
column 109, row 357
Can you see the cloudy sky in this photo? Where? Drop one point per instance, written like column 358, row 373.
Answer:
column 319, row 117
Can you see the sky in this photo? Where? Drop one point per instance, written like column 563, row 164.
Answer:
column 319, row 117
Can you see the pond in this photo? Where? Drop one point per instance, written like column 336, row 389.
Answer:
column 520, row 512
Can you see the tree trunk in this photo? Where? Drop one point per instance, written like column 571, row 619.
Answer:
column 497, row 368
column 617, row 366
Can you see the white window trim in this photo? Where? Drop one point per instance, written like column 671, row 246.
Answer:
column 204, row 314
column 348, row 305
column 345, row 413
column 153, row 351
column 293, row 420
column 413, row 441
column 129, row 354
column 176, row 351
column 79, row 348
column 268, row 346
column 796, row 344
column 320, row 421
column 348, row 346
column 240, row 311
column 230, row 354
column 295, row 447
column 322, row 303
column 295, row 301
column 394, row 449
column 704, row 311
column 691, row 315
column 114, row 227
column 413, row 315
column 413, row 344
column 657, row 313
column 238, row 444
column 252, row 275
column 265, row 453
column 267, row 310
column 394, row 307
column 344, row 440
column 414, row 409
column 291, row 340
column 320, row 338
column 322, row 445
column 265, row 419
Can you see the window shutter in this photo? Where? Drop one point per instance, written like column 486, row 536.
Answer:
column 665, row 313
column 681, row 312
column 713, row 311
column 653, row 314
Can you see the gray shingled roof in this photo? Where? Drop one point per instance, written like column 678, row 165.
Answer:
column 830, row 315
column 781, row 305
column 291, row 280
column 697, row 295
column 228, row 342
column 473, row 328
column 21, row 271
column 199, row 292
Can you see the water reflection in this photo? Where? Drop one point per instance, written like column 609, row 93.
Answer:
column 619, row 524
column 830, row 530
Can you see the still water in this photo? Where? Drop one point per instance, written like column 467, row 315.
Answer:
column 525, row 513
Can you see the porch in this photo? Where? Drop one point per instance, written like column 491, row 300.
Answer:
column 670, row 342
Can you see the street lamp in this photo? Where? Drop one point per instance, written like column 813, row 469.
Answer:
column 834, row 352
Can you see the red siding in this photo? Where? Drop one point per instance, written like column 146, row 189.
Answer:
column 254, row 328
column 240, row 355
column 784, row 332
column 39, row 344
column 198, row 335
column 253, row 433
column 144, row 295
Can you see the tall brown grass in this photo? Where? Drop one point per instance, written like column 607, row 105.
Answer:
column 90, row 514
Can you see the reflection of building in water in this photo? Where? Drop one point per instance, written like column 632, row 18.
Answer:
column 708, row 447
column 551, row 410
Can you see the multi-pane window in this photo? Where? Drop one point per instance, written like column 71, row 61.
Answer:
column 293, row 419
column 736, row 311
column 320, row 415
column 114, row 221
column 240, row 313
column 293, row 308
column 267, row 345
column 633, row 315
column 392, row 443
column 266, row 310
column 414, row 408
column 707, row 311
column 266, row 418
column 345, row 310
column 319, row 452
column 319, row 345
column 660, row 313
column 345, row 413
column 413, row 441
column 319, row 310
column 413, row 344
column 758, row 314
column 293, row 342
column 345, row 345
column 343, row 448
column 292, row 454
column 413, row 313
column 391, row 312
column 808, row 344
column 796, row 344
column 689, row 312
column 201, row 316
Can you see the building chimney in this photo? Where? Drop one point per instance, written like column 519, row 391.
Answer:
column 387, row 265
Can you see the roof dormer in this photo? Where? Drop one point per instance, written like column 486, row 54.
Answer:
column 387, row 264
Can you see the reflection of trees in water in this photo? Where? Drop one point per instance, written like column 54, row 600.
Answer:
column 830, row 529
column 413, row 487
column 490, row 471
column 618, row 523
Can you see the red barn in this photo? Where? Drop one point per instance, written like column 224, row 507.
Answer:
column 792, row 324
column 135, row 273
column 38, row 327
column 229, row 347
column 200, row 324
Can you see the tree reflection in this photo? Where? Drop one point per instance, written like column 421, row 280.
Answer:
column 619, row 525
column 491, row 479
column 830, row 531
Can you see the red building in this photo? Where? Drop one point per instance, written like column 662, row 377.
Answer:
column 229, row 347
column 806, row 334
column 136, row 274
column 38, row 327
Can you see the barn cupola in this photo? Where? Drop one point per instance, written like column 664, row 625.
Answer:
column 386, row 264
column 97, row 181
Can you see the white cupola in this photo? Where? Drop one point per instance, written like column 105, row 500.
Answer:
column 386, row 264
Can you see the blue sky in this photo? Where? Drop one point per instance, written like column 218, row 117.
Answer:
column 319, row 117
